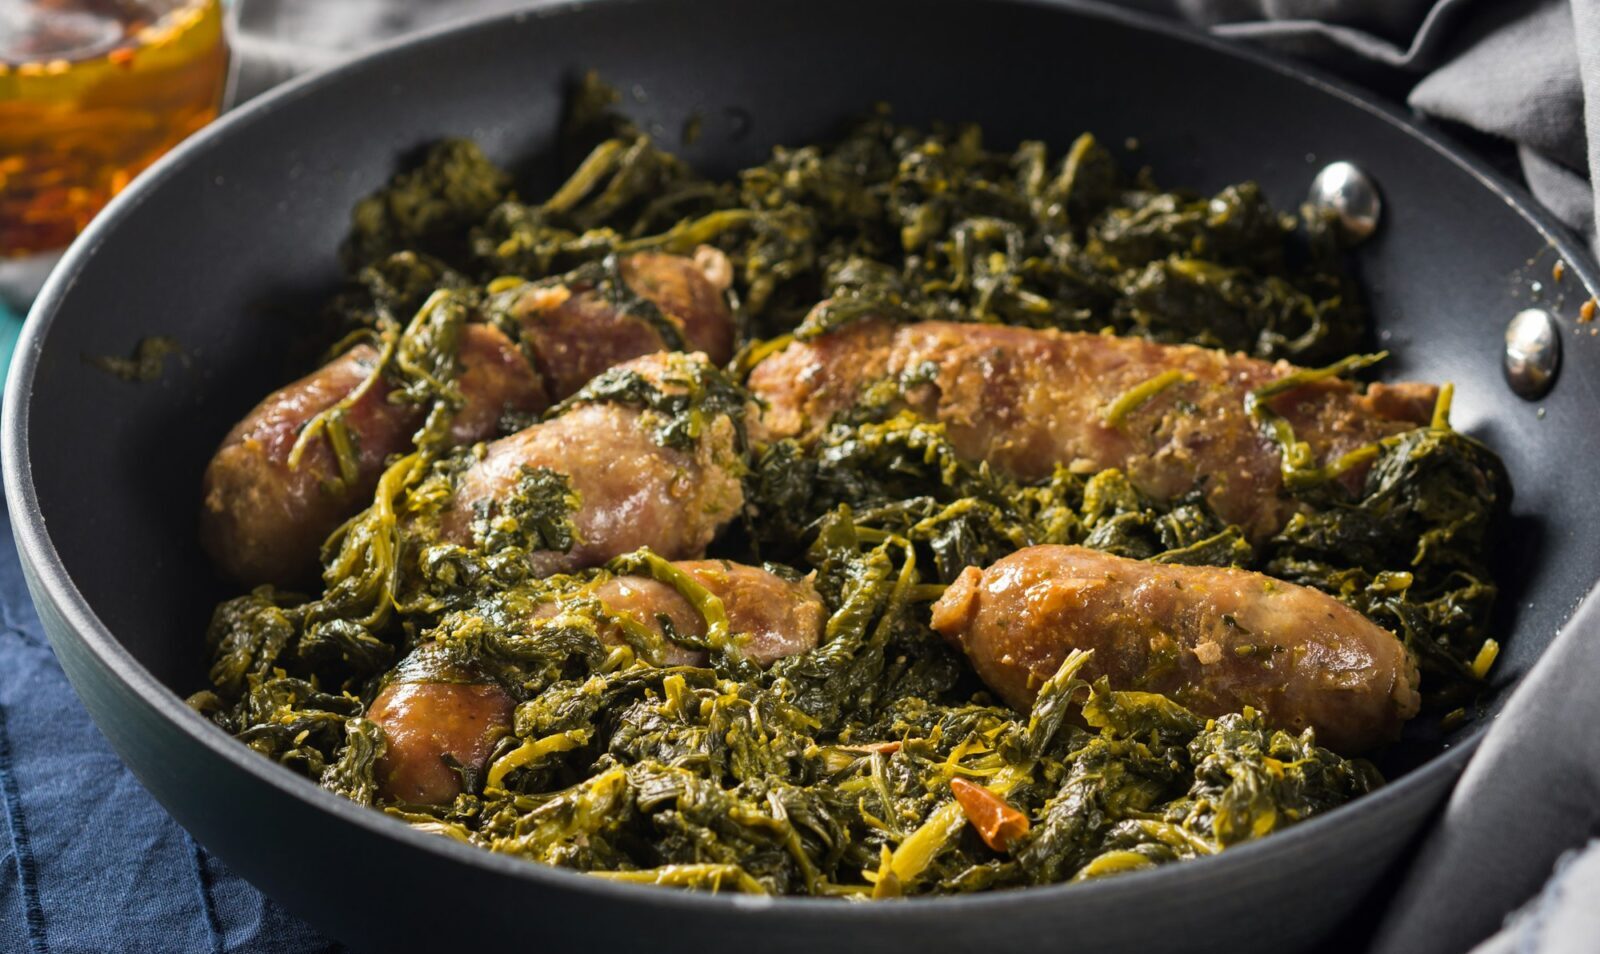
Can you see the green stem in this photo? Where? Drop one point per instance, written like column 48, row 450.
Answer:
column 1131, row 399
column 715, row 616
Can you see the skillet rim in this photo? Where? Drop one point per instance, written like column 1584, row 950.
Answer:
column 48, row 574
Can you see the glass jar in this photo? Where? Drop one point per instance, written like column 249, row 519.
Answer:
column 92, row 92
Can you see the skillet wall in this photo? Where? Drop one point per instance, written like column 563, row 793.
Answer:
column 241, row 236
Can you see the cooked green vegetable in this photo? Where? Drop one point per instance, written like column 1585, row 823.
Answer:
column 148, row 360
column 830, row 773
column 427, row 208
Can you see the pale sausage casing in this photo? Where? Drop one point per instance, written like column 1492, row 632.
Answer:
column 776, row 617
column 633, row 492
column 263, row 521
column 1213, row 639
column 574, row 334
column 1028, row 400
column 438, row 719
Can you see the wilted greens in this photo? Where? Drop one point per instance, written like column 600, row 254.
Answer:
column 874, row 766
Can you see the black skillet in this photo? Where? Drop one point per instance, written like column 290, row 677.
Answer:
column 239, row 227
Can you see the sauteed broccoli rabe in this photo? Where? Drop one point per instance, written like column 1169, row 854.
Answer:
column 900, row 516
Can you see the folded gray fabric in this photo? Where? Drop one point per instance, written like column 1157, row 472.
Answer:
column 1563, row 919
column 1530, row 793
column 1403, row 34
column 1527, row 74
column 278, row 39
column 1516, row 77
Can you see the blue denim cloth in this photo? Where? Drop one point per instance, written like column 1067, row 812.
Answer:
column 10, row 327
column 88, row 861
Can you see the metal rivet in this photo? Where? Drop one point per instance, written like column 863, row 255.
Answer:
column 1350, row 195
column 1533, row 353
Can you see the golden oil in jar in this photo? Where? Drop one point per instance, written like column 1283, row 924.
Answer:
column 92, row 92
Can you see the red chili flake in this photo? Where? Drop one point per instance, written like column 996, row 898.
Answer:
column 998, row 824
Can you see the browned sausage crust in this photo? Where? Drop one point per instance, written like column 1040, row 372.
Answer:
column 574, row 332
column 264, row 522
column 495, row 379
column 1027, row 400
column 778, row 617
column 432, row 723
column 1215, row 640
column 633, row 492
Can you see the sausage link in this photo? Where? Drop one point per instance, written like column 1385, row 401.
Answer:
column 436, row 718
column 263, row 521
column 436, row 721
column 633, row 491
column 1215, row 640
column 778, row 617
column 575, row 332
column 1028, row 400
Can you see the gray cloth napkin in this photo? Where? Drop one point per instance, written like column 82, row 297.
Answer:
column 1523, row 76
column 1530, row 795
column 1564, row 918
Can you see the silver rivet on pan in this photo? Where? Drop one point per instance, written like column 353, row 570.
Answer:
column 1533, row 353
column 1344, row 190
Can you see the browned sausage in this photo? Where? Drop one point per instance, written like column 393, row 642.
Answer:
column 778, row 617
column 1027, row 400
column 575, row 332
column 264, row 522
column 633, row 491
column 435, row 720
column 1215, row 640
column 436, row 717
